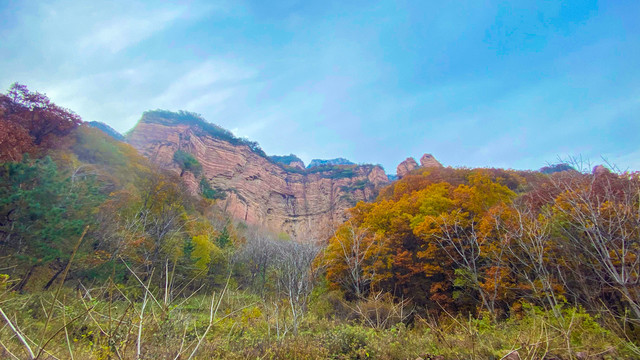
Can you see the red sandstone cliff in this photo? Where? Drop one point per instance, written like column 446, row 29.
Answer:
column 303, row 203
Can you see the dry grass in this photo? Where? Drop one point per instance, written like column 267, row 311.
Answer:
column 108, row 323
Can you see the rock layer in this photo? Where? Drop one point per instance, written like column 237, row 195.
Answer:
column 302, row 203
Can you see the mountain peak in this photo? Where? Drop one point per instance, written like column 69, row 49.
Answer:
column 410, row 164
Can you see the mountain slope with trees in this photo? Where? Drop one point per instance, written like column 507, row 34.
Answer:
column 107, row 255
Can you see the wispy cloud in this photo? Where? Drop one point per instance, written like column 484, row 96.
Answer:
column 206, row 85
column 119, row 33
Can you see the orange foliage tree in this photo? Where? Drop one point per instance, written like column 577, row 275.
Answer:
column 432, row 237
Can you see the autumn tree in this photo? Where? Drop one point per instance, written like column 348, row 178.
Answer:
column 464, row 232
column 533, row 254
column 31, row 122
column 351, row 254
column 14, row 141
column 433, row 237
column 258, row 256
column 598, row 214
column 296, row 276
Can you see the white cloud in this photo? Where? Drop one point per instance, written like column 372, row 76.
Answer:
column 122, row 32
column 209, row 83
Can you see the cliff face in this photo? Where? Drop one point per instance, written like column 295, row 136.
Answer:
column 303, row 203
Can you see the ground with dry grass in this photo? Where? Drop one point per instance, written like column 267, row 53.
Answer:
column 120, row 322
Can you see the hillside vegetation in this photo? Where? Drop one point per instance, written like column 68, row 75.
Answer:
column 166, row 117
column 285, row 159
column 330, row 162
column 105, row 256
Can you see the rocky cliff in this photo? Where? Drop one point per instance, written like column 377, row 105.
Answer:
column 301, row 202
column 410, row 164
column 406, row 167
column 427, row 160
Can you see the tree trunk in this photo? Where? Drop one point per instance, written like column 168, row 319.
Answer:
column 25, row 279
column 53, row 278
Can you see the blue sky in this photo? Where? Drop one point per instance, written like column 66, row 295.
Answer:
column 512, row 84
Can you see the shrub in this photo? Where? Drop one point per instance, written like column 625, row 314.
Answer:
column 187, row 162
column 210, row 193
